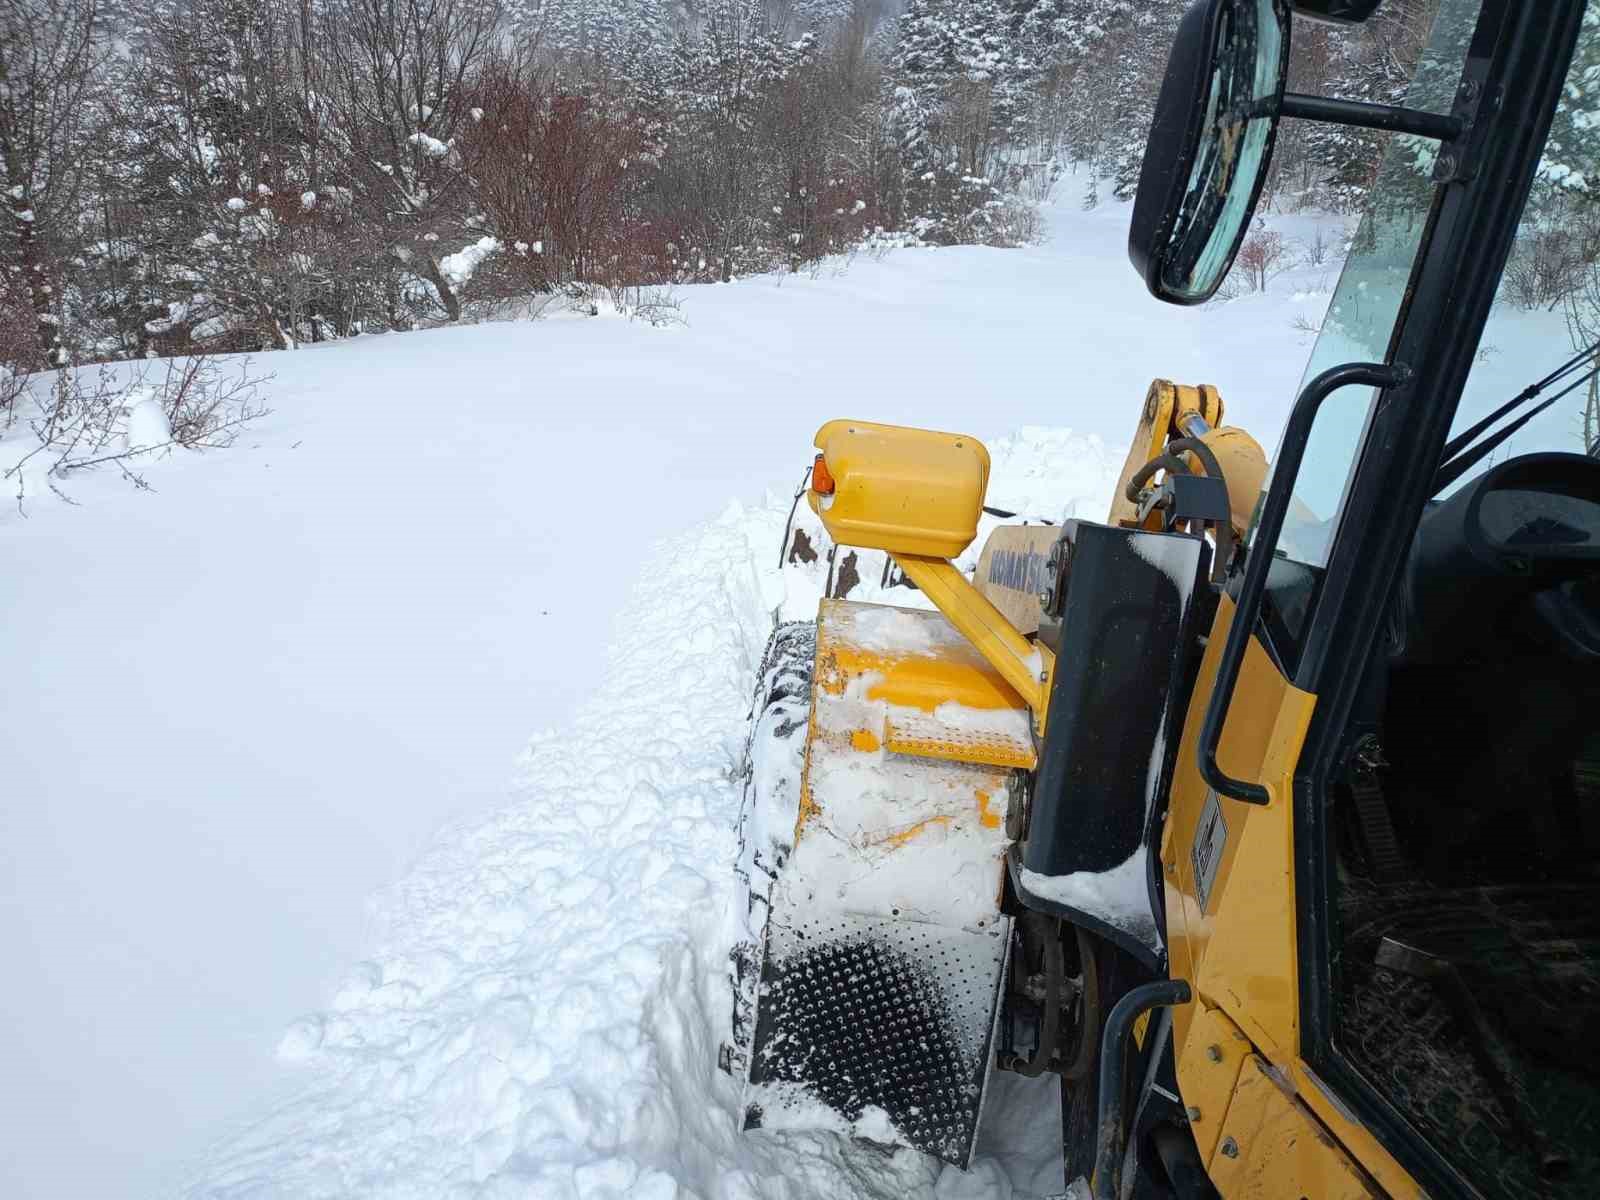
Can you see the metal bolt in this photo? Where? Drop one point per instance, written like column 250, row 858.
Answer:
column 1047, row 598
column 1214, row 1053
column 1193, row 1112
column 1171, row 867
column 1229, row 1148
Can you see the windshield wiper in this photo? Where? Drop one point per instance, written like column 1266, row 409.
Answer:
column 1457, row 459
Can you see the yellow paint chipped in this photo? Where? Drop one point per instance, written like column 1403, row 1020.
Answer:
column 989, row 820
column 865, row 740
column 895, row 840
column 808, row 809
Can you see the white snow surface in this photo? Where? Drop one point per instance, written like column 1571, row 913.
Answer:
column 237, row 706
column 459, row 267
column 1120, row 896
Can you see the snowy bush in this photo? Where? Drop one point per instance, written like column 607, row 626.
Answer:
column 77, row 419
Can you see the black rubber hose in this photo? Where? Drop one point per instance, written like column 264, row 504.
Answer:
column 1055, row 977
column 1224, row 529
column 1161, row 462
column 1111, row 1139
column 1200, row 450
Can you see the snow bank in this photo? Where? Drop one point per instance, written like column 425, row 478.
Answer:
column 544, row 1017
column 544, row 1013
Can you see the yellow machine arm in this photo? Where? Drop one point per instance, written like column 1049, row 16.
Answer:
column 918, row 495
column 1179, row 413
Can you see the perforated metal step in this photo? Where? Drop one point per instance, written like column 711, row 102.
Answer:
column 886, row 1023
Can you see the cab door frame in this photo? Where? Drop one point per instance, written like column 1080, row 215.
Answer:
column 1512, row 81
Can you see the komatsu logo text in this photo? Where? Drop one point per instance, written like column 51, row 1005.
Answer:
column 1021, row 570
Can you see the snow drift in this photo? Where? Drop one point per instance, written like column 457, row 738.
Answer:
column 543, row 1014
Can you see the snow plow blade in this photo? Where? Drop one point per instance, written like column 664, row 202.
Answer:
column 884, row 949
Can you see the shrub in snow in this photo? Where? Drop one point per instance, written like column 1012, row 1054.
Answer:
column 75, row 421
column 1262, row 255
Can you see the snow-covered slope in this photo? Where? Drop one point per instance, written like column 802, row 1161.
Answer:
column 235, row 707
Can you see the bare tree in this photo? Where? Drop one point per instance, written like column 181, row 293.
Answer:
column 49, row 52
column 400, row 71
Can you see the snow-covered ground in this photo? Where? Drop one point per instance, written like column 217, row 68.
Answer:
column 237, row 707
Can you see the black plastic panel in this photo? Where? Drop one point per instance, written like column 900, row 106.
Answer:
column 1116, row 705
column 1123, row 621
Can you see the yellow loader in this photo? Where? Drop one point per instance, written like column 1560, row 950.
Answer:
column 1266, row 813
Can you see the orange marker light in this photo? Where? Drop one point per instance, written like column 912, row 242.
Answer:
column 821, row 478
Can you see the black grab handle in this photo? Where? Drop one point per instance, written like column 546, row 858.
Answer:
column 1273, row 510
column 1111, row 1138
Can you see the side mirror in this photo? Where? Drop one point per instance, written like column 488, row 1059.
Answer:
column 1209, row 146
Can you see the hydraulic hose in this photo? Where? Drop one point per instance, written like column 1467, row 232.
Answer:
column 1161, row 462
column 1200, row 450
column 1224, row 529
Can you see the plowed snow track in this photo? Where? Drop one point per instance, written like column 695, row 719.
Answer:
column 544, row 1015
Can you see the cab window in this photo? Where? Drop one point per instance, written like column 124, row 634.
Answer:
column 1466, row 938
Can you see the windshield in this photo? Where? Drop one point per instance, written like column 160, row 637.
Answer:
column 1546, row 316
column 1366, row 304
column 1547, row 313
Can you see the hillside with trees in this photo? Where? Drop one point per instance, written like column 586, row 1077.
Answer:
column 255, row 174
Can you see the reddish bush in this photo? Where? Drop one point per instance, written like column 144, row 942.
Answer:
column 1261, row 257
column 552, row 171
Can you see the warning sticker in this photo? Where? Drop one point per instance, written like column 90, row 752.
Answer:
column 1210, row 839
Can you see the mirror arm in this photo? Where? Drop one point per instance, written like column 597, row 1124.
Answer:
column 1366, row 116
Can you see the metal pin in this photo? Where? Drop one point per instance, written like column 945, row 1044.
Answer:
column 1229, row 1148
